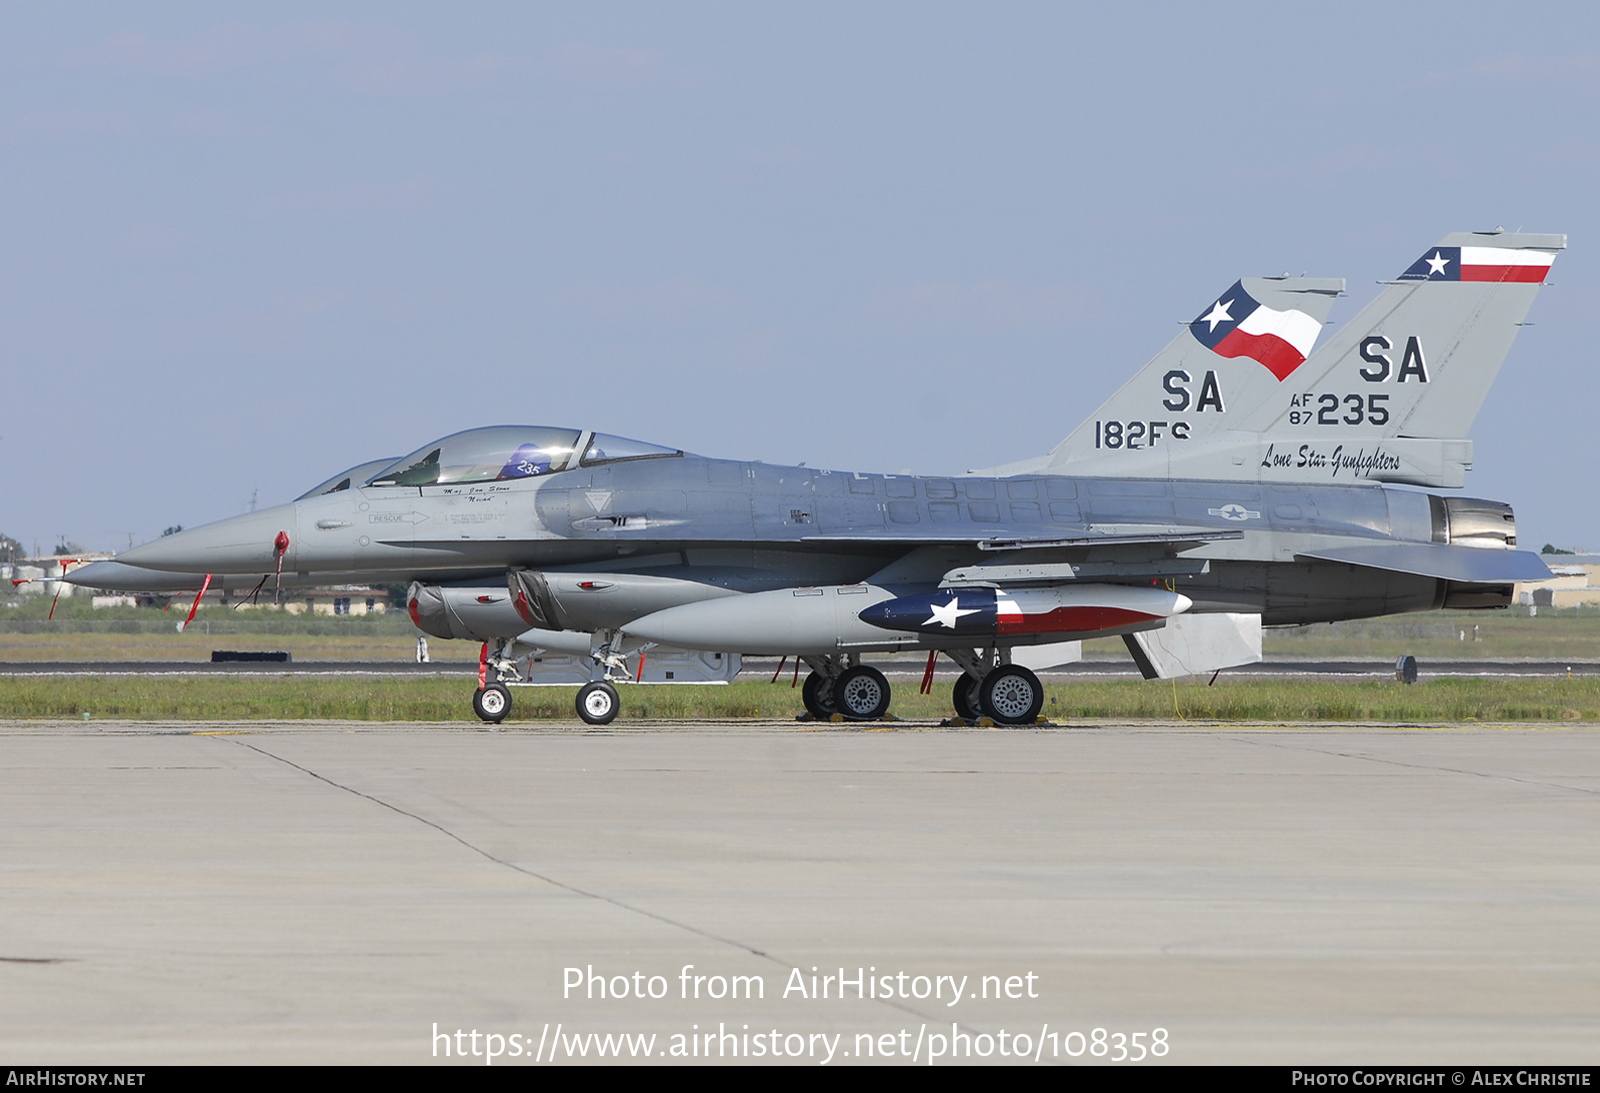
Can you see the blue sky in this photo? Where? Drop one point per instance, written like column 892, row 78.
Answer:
column 242, row 247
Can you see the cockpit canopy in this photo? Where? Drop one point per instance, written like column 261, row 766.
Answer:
column 501, row 452
column 356, row 476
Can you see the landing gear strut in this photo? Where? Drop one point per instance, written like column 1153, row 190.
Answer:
column 492, row 700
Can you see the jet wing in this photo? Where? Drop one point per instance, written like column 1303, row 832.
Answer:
column 1470, row 565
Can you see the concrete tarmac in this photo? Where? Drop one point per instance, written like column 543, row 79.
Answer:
column 317, row 892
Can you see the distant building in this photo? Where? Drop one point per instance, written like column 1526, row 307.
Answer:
column 331, row 601
column 339, row 600
column 1575, row 582
column 35, row 574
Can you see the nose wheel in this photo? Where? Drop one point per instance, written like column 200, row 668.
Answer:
column 598, row 703
column 492, row 702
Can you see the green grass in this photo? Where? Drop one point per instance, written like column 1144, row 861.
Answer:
column 79, row 633
column 76, row 614
column 448, row 699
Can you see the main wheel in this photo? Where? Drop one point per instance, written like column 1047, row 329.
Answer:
column 492, row 703
column 598, row 703
column 862, row 694
column 817, row 694
column 965, row 698
column 1011, row 695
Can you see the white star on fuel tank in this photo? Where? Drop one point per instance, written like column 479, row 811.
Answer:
column 949, row 613
column 1218, row 314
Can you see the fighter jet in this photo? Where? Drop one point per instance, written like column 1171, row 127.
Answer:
column 1243, row 478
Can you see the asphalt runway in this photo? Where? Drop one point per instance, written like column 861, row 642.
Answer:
column 339, row 892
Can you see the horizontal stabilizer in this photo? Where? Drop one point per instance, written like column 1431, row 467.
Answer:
column 1469, row 565
column 1191, row 645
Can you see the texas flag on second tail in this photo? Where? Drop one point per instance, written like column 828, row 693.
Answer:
column 1238, row 325
column 1481, row 264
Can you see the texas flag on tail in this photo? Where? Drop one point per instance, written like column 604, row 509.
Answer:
column 1237, row 325
column 1480, row 264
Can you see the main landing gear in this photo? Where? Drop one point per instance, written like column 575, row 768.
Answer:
column 1007, row 694
column 1011, row 695
column 964, row 696
column 846, row 687
column 817, row 694
column 862, row 694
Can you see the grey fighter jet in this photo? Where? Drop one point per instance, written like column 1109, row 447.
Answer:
column 1244, row 477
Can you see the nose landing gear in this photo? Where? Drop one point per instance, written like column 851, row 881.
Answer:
column 492, row 702
column 598, row 703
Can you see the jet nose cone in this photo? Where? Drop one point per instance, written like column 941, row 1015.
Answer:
column 96, row 574
column 243, row 544
column 884, row 614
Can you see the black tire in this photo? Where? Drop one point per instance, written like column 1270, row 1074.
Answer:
column 965, row 699
column 492, row 703
column 862, row 694
column 817, row 694
column 1011, row 695
column 598, row 703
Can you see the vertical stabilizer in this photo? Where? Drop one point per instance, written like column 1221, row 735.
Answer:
column 1236, row 354
column 1389, row 398
column 1428, row 347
